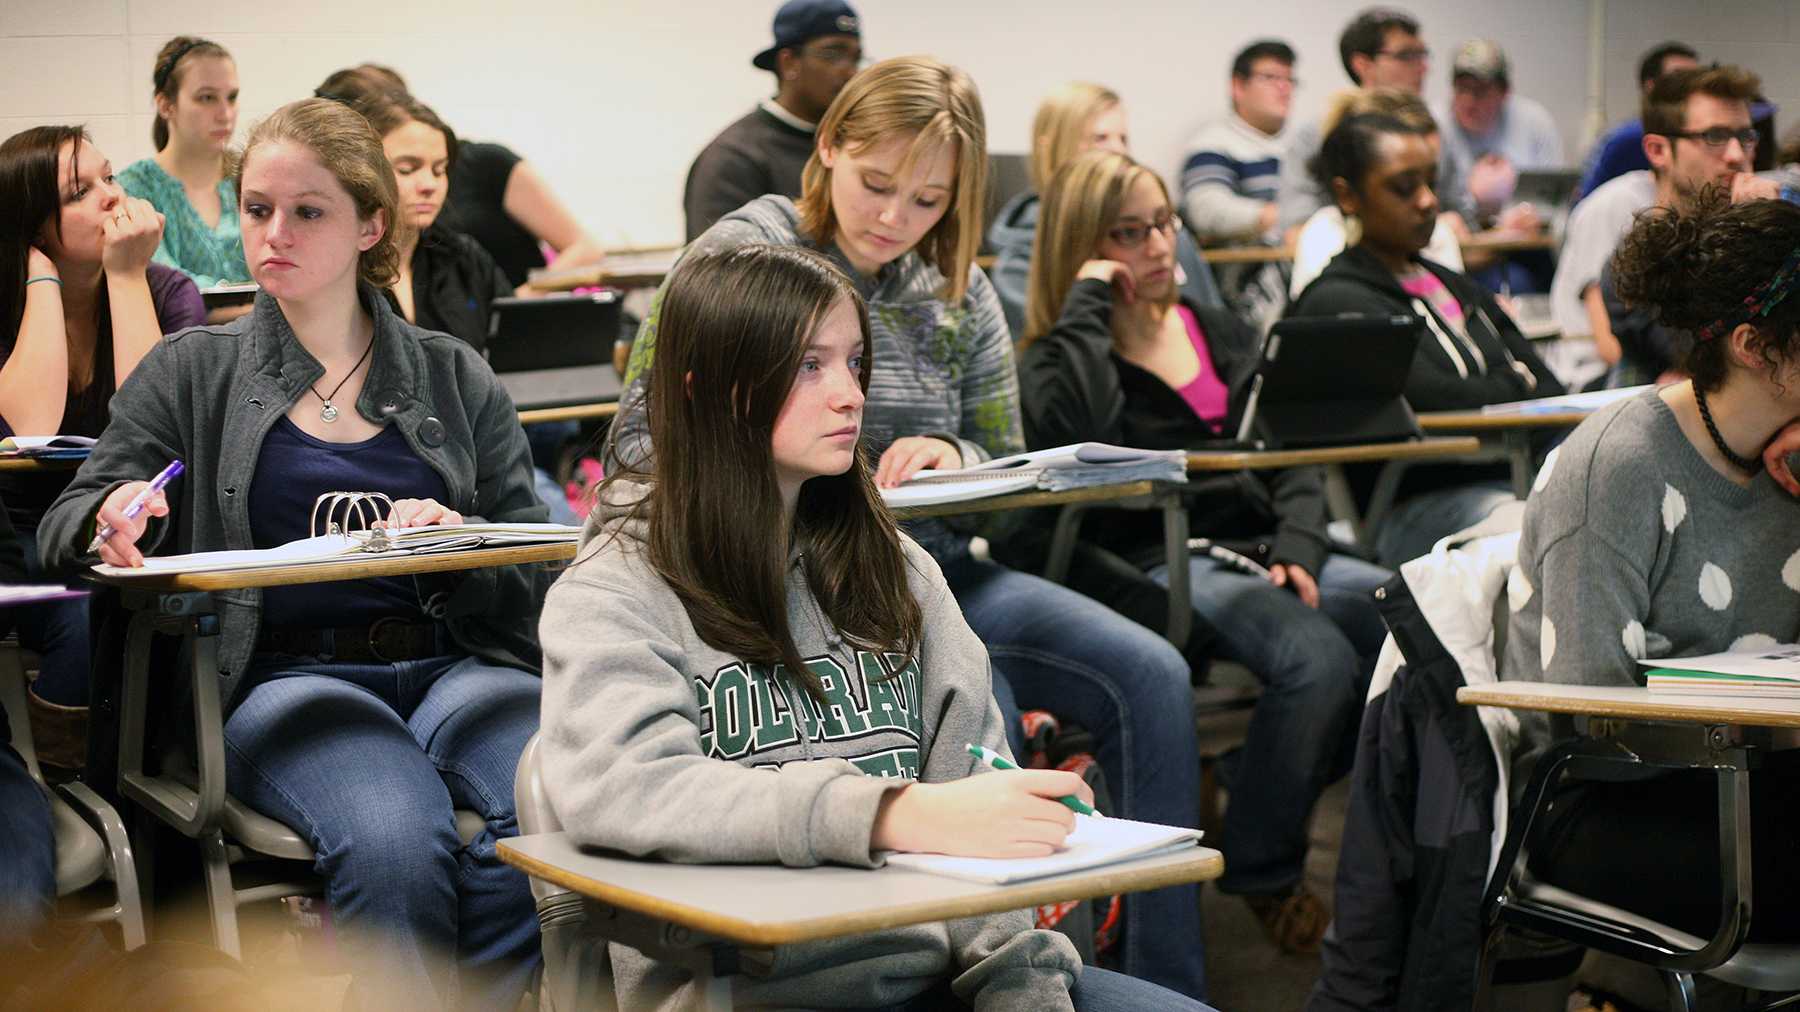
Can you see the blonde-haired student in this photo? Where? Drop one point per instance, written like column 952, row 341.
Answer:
column 748, row 662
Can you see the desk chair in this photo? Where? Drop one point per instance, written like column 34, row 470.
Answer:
column 246, row 857
column 91, row 843
column 577, row 971
column 1516, row 900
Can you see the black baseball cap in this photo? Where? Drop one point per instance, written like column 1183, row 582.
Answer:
column 800, row 20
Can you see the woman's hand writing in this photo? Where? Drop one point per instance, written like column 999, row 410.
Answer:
column 1004, row 813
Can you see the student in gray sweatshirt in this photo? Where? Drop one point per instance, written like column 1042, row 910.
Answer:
column 893, row 197
column 748, row 663
column 1655, row 532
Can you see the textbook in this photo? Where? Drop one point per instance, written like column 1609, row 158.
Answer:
column 47, row 447
column 1584, row 403
column 1095, row 843
column 1078, row 465
column 1772, row 672
column 339, row 546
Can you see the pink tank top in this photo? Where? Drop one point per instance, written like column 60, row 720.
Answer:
column 1206, row 392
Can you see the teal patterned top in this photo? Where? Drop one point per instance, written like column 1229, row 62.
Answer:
column 211, row 256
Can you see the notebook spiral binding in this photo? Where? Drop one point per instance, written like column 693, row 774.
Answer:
column 353, row 513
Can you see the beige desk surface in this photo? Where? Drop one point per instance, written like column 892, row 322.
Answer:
column 765, row 905
column 1418, row 449
column 350, row 569
column 1475, row 421
column 605, row 409
column 626, row 268
column 1635, row 702
column 1025, row 500
column 38, row 464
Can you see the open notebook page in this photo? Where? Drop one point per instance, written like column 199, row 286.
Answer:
column 1095, row 843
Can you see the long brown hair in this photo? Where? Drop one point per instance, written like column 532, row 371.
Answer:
column 1082, row 201
column 347, row 146
column 31, row 200
column 935, row 104
column 732, row 330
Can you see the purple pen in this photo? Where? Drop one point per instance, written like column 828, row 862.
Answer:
column 136, row 505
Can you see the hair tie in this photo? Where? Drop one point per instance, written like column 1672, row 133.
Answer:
column 167, row 67
column 1761, row 301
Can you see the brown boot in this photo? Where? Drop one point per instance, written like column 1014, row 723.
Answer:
column 60, row 733
column 1295, row 923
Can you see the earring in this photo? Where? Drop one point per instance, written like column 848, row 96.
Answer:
column 1352, row 230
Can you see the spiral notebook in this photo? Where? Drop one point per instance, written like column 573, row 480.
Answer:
column 343, row 525
column 1077, row 465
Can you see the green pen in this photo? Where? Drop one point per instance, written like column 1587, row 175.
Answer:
column 995, row 760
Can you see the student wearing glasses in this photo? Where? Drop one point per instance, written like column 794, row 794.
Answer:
column 196, row 91
column 1697, row 133
column 817, row 50
column 1115, row 353
column 1381, row 48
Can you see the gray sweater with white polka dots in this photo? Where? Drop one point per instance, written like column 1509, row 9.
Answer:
column 1634, row 547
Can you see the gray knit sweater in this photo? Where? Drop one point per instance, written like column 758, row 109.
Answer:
column 657, row 744
column 939, row 368
column 1635, row 547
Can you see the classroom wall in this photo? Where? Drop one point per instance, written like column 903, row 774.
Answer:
column 612, row 98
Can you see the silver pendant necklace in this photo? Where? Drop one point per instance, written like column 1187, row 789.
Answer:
column 328, row 412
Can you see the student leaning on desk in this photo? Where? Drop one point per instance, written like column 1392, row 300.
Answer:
column 1657, row 534
column 360, row 713
column 748, row 663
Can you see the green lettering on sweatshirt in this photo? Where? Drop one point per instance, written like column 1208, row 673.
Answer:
column 751, row 710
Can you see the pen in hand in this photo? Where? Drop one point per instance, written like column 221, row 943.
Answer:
column 996, row 761
column 136, row 505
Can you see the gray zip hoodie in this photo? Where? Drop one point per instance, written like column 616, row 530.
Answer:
column 638, row 760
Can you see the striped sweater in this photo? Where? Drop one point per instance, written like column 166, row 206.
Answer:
column 939, row 369
column 1232, row 170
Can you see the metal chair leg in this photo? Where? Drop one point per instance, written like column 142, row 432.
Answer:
column 1680, row 989
column 221, row 899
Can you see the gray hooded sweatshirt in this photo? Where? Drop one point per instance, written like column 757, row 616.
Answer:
column 637, row 760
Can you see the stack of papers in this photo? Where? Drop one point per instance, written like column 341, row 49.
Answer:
column 426, row 540
column 47, row 447
column 1585, row 403
column 1095, row 843
column 35, row 593
column 1078, row 465
column 1771, row 672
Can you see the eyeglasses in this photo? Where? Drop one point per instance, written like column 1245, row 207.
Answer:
column 837, row 55
column 1717, row 137
column 1419, row 55
column 1133, row 236
column 1275, row 79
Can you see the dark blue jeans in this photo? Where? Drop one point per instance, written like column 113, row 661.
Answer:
column 27, row 848
column 57, row 631
column 1057, row 650
column 368, row 762
column 1315, row 666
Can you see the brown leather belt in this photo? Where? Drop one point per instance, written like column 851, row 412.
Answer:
column 382, row 641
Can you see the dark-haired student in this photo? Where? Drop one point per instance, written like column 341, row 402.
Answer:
column 1115, row 353
column 27, row 842
column 196, row 91
column 496, row 198
column 81, row 303
column 760, row 564
column 1621, row 149
column 1382, row 172
column 1657, row 533
column 446, row 281
column 365, row 750
column 893, row 196
column 817, row 50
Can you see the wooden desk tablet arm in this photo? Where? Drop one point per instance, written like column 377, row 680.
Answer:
column 1607, row 749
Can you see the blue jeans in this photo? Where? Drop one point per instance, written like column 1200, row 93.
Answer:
column 367, row 762
column 1315, row 666
column 1425, row 519
column 57, row 631
column 1058, row 650
column 1096, row 991
column 27, row 849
